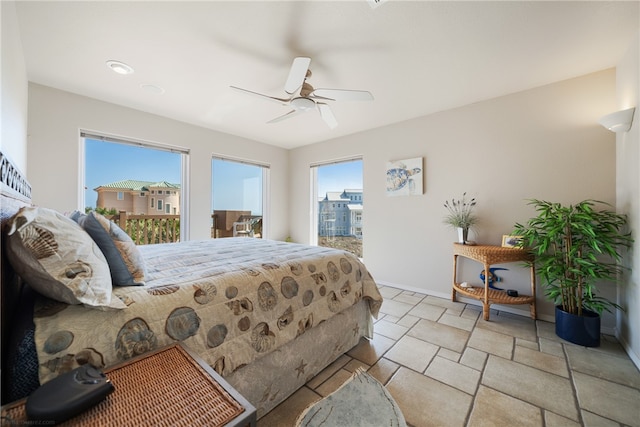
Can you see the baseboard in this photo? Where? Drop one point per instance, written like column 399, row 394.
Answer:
column 627, row 348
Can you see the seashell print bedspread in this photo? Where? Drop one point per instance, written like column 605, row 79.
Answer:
column 231, row 300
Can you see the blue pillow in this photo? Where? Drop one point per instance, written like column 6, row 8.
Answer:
column 125, row 260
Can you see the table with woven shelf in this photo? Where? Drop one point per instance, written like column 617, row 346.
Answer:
column 171, row 387
column 489, row 255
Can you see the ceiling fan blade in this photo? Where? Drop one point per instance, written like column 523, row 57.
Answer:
column 327, row 115
column 297, row 74
column 290, row 114
column 343, row 95
column 280, row 101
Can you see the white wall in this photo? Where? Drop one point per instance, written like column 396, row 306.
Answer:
column 543, row 143
column 628, row 195
column 13, row 107
column 56, row 117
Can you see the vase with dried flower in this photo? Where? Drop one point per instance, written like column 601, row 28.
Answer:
column 460, row 216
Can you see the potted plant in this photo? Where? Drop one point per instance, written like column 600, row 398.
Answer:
column 460, row 216
column 576, row 247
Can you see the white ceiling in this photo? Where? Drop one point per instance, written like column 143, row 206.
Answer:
column 415, row 57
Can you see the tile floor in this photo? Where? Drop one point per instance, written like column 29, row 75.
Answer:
column 445, row 366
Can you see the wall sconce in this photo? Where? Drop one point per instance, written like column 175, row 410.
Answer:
column 620, row 121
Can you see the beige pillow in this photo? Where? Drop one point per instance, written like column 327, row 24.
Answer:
column 58, row 259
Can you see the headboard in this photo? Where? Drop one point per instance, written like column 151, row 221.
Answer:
column 15, row 192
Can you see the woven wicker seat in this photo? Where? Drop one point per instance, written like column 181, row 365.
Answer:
column 489, row 255
column 168, row 387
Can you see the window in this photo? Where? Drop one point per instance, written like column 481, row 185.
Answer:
column 240, row 191
column 113, row 162
column 344, row 231
column 167, row 208
column 159, row 191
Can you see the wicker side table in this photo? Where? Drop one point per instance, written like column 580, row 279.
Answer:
column 171, row 387
column 488, row 255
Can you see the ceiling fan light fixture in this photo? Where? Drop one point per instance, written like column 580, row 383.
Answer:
column 119, row 67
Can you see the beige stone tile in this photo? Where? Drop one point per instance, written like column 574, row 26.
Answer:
column 610, row 345
column 528, row 344
column 388, row 292
column 408, row 320
column 454, row 374
column 531, row 385
column 327, row 372
column 426, row 402
column 391, row 319
column 449, row 354
column 492, row 342
column 547, row 330
column 610, row 400
column 509, row 324
column 455, row 307
column 369, row 351
column 555, row 420
column 427, row 311
column 395, row 308
column 383, row 370
column 603, row 365
column 441, row 335
column 474, row 358
column 593, row 420
column 543, row 361
column 354, row 365
column 492, row 408
column 457, row 322
column 287, row 412
column 409, row 299
column 551, row 347
column 471, row 312
column 412, row 353
column 333, row 383
column 390, row 330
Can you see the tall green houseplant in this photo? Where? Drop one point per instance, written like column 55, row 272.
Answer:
column 575, row 247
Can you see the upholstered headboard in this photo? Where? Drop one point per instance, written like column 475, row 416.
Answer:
column 15, row 192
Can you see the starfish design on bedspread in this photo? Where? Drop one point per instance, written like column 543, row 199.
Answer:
column 301, row 367
column 356, row 330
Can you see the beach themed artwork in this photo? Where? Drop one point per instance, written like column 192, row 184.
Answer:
column 404, row 177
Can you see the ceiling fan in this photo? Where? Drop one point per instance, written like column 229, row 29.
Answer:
column 304, row 98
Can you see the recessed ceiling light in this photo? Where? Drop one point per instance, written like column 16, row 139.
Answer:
column 119, row 67
column 152, row 88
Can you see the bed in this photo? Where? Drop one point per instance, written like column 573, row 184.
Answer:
column 266, row 315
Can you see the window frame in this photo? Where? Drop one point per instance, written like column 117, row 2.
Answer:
column 84, row 134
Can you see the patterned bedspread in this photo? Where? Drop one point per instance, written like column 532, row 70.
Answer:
column 231, row 300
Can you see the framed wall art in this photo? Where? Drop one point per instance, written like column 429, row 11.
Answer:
column 405, row 177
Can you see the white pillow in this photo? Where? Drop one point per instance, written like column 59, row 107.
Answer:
column 58, row 259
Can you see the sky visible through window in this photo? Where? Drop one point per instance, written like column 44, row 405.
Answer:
column 236, row 186
column 107, row 162
column 339, row 177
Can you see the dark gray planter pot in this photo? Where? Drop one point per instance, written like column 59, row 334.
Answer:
column 582, row 330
